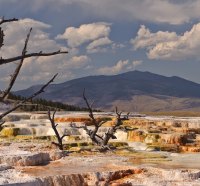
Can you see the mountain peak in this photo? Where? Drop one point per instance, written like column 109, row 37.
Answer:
column 107, row 90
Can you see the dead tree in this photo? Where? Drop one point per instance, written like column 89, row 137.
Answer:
column 4, row 94
column 59, row 143
column 41, row 90
column 103, row 140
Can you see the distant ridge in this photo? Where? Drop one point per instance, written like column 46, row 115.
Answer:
column 132, row 91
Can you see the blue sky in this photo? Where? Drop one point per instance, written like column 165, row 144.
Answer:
column 103, row 37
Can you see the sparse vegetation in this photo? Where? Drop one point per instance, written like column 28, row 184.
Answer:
column 44, row 105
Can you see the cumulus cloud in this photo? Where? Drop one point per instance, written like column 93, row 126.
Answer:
column 42, row 68
column 118, row 46
column 96, row 45
column 169, row 45
column 39, row 69
column 15, row 35
column 85, row 33
column 135, row 64
column 76, row 62
column 121, row 66
column 146, row 39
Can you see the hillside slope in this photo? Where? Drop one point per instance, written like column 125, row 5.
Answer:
column 134, row 91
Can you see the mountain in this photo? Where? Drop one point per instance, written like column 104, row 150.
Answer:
column 133, row 91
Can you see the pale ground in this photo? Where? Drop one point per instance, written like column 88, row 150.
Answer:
column 175, row 169
column 179, row 169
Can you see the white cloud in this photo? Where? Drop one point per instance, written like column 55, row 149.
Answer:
column 80, row 59
column 121, row 66
column 169, row 45
column 15, row 35
column 146, row 39
column 135, row 64
column 76, row 62
column 97, row 45
column 38, row 70
column 45, row 67
column 118, row 46
column 85, row 33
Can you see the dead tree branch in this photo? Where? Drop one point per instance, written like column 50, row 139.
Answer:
column 91, row 115
column 97, row 124
column 17, row 70
column 59, row 144
column 7, row 20
column 1, row 37
column 89, row 132
column 93, row 133
column 41, row 90
column 14, row 76
column 111, row 132
column 38, row 54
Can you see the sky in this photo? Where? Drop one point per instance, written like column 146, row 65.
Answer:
column 103, row 37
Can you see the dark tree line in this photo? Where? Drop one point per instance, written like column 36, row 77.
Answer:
column 40, row 104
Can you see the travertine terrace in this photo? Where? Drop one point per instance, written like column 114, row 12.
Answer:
column 156, row 149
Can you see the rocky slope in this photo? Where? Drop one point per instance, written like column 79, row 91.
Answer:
column 130, row 91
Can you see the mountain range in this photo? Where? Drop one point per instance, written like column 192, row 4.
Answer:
column 131, row 91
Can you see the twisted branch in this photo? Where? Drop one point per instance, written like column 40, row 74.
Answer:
column 38, row 54
column 91, row 115
column 17, row 70
column 41, row 90
column 1, row 37
column 59, row 144
column 92, row 133
column 7, row 20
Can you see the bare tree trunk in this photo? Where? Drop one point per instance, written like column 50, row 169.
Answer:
column 27, row 99
column 93, row 134
column 1, row 37
column 59, row 144
column 17, row 70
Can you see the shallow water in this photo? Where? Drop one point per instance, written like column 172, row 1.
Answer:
column 173, row 161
